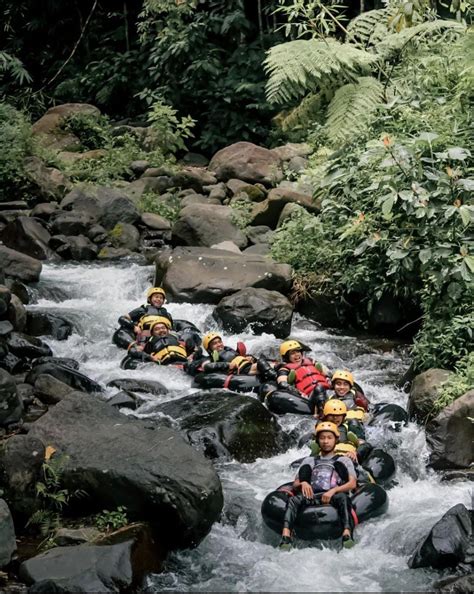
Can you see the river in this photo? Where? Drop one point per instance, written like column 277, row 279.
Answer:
column 239, row 554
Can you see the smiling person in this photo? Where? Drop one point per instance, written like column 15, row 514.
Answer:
column 156, row 297
column 323, row 479
column 163, row 346
column 348, row 391
column 301, row 376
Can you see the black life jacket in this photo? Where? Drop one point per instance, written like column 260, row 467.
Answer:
column 167, row 349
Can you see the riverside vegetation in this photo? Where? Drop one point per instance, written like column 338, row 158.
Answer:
column 384, row 97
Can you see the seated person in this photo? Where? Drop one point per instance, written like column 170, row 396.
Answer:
column 223, row 359
column 322, row 479
column 300, row 375
column 351, row 433
column 163, row 346
column 154, row 306
column 348, row 391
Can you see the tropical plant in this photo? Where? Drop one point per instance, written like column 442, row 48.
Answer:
column 107, row 520
column 458, row 384
column 16, row 142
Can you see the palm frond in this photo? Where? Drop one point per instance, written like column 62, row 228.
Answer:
column 14, row 67
column 298, row 67
column 437, row 30
column 368, row 28
column 352, row 108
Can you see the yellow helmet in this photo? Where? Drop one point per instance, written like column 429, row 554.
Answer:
column 208, row 338
column 146, row 322
column 327, row 426
column 289, row 345
column 160, row 320
column 153, row 291
column 334, row 407
column 340, row 374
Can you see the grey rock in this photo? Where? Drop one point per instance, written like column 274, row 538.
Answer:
column 463, row 584
column 65, row 374
column 259, row 234
column 16, row 313
column 290, row 150
column 125, row 235
column 248, row 162
column 50, row 390
column 7, row 535
column 64, row 537
column 27, row 347
column 28, row 236
column 227, row 246
column 11, row 406
column 268, row 212
column 49, row 183
column 20, row 266
column 140, row 386
column 425, row 389
column 40, row 323
column 261, row 309
column 155, row 221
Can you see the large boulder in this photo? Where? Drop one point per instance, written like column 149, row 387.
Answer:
column 449, row 435
column 455, row 584
column 17, row 313
column 11, row 406
column 447, row 542
column 247, row 162
column 21, row 458
column 223, row 423
column 206, row 224
column 261, row 309
column 268, row 212
column 76, row 247
column 425, row 389
column 149, row 470
column 48, row 183
column 64, row 374
column 28, row 236
column 193, row 177
column 50, row 131
column 27, row 347
column 47, row 324
column 125, row 235
column 7, row 535
column 204, row 275
column 20, row 266
column 116, row 567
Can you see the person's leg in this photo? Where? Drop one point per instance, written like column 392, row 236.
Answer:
column 342, row 503
column 292, row 508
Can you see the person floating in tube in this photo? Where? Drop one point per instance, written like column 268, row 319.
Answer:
column 348, row 391
column 301, row 376
column 323, row 479
column 155, row 298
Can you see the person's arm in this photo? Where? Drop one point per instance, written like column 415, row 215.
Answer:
column 282, row 381
column 303, row 481
column 346, row 487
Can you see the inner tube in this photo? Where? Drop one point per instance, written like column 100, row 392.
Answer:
column 186, row 331
column 129, row 362
column 281, row 402
column 389, row 415
column 321, row 522
column 236, row 383
column 122, row 337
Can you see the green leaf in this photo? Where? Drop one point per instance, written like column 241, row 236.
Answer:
column 425, row 255
column 470, row 262
column 387, row 206
column 458, row 153
column 466, row 214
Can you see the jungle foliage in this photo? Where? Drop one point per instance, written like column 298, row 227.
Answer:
column 394, row 170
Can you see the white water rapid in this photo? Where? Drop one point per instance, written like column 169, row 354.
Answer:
column 239, row 554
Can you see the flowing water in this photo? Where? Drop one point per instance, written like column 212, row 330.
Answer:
column 239, row 554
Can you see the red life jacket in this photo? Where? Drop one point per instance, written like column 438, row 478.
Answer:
column 307, row 377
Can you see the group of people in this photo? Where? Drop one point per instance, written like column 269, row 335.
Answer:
column 331, row 472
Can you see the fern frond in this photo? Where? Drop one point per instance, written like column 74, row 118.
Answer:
column 352, row 108
column 368, row 28
column 430, row 31
column 298, row 67
column 301, row 115
column 14, row 66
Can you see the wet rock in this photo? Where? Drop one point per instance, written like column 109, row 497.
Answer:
column 155, row 221
column 204, row 275
column 6, row 328
column 25, row 393
column 194, row 199
column 195, row 160
column 463, row 584
column 64, row 361
column 44, row 210
column 71, row 223
column 10, row 362
column 27, row 347
column 206, row 224
column 124, row 235
column 193, row 177
column 259, row 234
column 261, row 309
column 16, row 313
column 5, row 298
column 19, row 289
column 149, row 470
column 458, row 475
column 46, row 324
column 69, row 376
column 64, row 537
column 149, row 183
column 7, row 535
column 11, row 406
column 447, row 542
column 247, row 162
column 139, row 166
column 78, row 248
column 222, row 424
column 124, row 399
column 116, row 208
column 111, row 253
column 20, row 464
column 288, row 151
column 449, row 435
column 50, row 390
column 425, row 389
column 48, row 183
column 319, row 308
column 28, row 236
column 140, row 386
column 20, row 266
column 268, row 211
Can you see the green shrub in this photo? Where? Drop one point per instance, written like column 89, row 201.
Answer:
column 242, row 212
column 93, row 131
column 169, row 208
column 16, row 143
column 458, row 384
column 107, row 521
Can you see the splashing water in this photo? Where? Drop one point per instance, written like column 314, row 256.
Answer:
column 239, row 554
